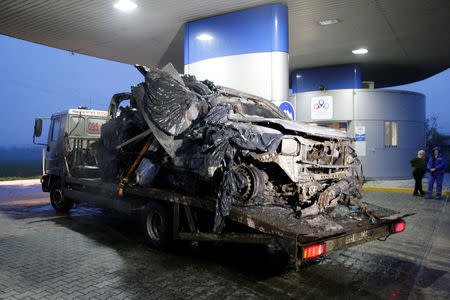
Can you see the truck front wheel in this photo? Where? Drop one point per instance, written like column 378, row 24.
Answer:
column 57, row 199
column 157, row 225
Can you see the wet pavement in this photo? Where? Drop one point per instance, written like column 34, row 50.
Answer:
column 94, row 253
column 409, row 183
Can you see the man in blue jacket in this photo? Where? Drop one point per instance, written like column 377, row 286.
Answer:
column 436, row 165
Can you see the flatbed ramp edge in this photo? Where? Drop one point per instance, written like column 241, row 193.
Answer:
column 338, row 230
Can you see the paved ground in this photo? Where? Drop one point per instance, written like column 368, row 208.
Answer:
column 95, row 254
column 408, row 183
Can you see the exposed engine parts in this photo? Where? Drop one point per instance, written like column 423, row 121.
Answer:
column 336, row 192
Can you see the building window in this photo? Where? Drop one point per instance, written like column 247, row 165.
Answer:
column 390, row 134
column 394, row 132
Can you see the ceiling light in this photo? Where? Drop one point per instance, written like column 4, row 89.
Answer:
column 204, row 37
column 360, row 51
column 329, row 22
column 125, row 5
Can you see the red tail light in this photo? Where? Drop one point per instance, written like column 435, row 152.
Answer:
column 398, row 227
column 313, row 251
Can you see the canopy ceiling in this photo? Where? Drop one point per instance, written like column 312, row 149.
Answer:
column 407, row 40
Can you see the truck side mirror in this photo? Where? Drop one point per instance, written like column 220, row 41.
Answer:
column 37, row 127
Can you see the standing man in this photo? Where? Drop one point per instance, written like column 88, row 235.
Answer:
column 436, row 165
column 419, row 168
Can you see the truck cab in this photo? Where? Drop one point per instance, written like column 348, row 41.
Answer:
column 71, row 143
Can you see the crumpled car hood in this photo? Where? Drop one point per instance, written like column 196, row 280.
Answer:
column 311, row 130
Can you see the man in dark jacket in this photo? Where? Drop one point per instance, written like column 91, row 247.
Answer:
column 419, row 168
column 436, row 165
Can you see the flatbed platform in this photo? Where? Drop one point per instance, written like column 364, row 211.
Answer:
column 272, row 220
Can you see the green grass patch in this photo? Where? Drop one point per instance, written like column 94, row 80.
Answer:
column 23, row 168
column 18, row 178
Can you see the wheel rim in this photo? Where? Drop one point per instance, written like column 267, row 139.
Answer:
column 154, row 225
column 57, row 197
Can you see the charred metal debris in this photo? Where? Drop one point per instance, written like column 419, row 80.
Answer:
column 192, row 136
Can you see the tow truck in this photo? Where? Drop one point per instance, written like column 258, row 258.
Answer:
column 73, row 176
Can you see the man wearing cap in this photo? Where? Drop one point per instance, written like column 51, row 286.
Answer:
column 436, row 165
column 419, row 168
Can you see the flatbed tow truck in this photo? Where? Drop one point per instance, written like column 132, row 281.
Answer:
column 72, row 176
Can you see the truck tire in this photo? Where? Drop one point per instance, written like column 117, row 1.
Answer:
column 157, row 225
column 57, row 199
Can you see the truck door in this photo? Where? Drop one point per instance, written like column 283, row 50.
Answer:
column 54, row 155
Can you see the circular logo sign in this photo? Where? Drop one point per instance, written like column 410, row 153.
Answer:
column 288, row 109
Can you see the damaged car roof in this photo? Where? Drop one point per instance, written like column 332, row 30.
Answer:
column 296, row 126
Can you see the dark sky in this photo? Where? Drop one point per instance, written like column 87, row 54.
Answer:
column 37, row 80
column 437, row 92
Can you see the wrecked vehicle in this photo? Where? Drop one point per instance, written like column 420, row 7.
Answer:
column 202, row 162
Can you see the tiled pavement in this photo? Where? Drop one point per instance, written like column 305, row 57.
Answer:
column 93, row 254
column 408, row 183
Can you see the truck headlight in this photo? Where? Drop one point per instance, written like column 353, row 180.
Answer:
column 290, row 147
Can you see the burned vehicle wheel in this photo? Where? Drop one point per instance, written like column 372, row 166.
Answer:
column 157, row 226
column 57, row 199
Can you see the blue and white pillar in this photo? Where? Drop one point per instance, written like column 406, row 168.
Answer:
column 245, row 50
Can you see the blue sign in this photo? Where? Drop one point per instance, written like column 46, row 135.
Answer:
column 288, row 109
column 360, row 137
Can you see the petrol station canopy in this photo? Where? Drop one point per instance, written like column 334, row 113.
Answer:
column 407, row 40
